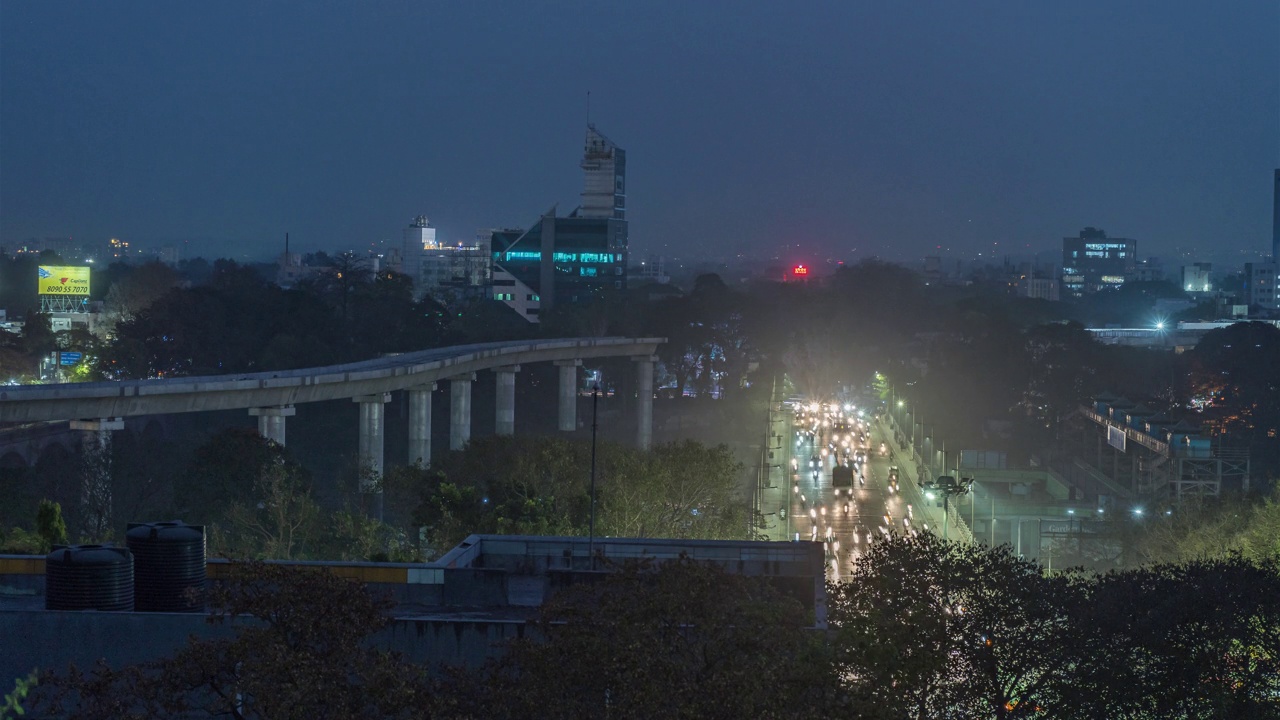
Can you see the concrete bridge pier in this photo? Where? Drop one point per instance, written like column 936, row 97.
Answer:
column 95, row 488
column 504, row 422
column 372, row 435
column 568, row 394
column 644, row 400
column 271, row 421
column 460, row 410
column 420, row 424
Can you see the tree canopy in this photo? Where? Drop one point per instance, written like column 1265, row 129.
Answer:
column 541, row 486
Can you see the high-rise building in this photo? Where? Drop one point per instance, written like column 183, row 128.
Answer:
column 572, row 259
column 604, row 165
column 1094, row 262
column 1260, row 285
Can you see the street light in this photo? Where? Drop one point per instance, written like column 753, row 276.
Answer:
column 948, row 487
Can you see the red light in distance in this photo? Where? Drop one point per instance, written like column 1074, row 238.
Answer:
column 800, row 270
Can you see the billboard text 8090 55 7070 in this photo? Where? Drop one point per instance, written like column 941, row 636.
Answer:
column 63, row 280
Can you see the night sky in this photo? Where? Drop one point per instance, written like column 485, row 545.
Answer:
column 839, row 129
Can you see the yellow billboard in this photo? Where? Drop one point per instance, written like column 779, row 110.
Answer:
column 63, row 280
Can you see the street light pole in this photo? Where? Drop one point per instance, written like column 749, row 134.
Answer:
column 591, row 542
column 948, row 486
column 945, row 496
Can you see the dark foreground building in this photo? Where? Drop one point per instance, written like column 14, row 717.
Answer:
column 457, row 609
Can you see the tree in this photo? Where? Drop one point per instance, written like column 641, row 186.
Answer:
column 1233, row 372
column 1213, row 529
column 37, row 335
column 299, row 650
column 1197, row 640
column 138, row 290
column 540, row 486
column 280, row 520
column 21, row 689
column 679, row 639
column 924, row 628
column 226, row 471
column 516, row 485
column 678, row 490
column 49, row 524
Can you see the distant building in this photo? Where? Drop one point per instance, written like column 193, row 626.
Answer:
column 445, row 272
column 652, row 269
column 1149, row 270
column 932, row 270
column 1039, row 288
column 1094, row 262
column 1260, row 285
column 570, row 260
column 1197, row 278
column 517, row 295
column 168, row 254
column 66, row 248
column 118, row 249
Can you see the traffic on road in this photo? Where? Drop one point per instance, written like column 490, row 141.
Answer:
column 845, row 490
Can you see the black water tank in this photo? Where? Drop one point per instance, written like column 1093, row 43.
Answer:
column 168, row 566
column 88, row 577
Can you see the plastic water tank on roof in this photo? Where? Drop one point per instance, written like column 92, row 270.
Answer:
column 88, row 577
column 168, row 567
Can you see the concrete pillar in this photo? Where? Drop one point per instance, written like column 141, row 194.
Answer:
column 420, row 424
column 644, row 401
column 271, row 421
column 568, row 394
column 460, row 410
column 504, row 421
column 372, row 432
column 95, row 488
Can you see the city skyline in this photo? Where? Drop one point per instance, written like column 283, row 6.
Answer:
column 753, row 129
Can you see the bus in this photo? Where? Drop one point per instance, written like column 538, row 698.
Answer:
column 842, row 476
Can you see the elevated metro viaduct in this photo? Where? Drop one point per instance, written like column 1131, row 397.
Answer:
column 101, row 407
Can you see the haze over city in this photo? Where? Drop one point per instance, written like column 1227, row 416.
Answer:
column 842, row 130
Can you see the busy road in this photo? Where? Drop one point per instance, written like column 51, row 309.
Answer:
column 845, row 490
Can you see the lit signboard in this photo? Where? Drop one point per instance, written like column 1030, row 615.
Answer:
column 1116, row 437
column 61, row 280
column 593, row 258
column 800, row 270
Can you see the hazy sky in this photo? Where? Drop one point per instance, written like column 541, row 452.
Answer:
column 843, row 128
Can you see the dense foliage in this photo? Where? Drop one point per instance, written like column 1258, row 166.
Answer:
column 240, row 322
column 541, row 486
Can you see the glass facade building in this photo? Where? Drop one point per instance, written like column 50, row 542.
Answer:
column 1094, row 262
column 569, row 259
column 586, row 256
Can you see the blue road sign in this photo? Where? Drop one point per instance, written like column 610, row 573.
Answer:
column 69, row 358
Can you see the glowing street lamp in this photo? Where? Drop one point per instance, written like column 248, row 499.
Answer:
column 948, row 487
